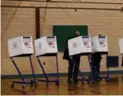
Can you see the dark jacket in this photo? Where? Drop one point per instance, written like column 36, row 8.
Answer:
column 66, row 52
column 96, row 58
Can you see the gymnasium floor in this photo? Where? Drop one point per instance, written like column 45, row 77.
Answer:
column 113, row 87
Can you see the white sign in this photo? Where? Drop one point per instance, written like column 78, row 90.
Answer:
column 102, row 41
column 27, row 42
column 51, row 42
column 86, row 42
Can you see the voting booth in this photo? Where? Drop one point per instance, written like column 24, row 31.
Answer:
column 47, row 46
column 99, row 44
column 121, row 48
column 121, row 45
column 79, row 45
column 20, row 47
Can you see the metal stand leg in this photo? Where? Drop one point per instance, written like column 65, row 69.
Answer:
column 91, row 70
column 108, row 75
column 45, row 75
column 33, row 74
column 83, row 78
column 57, row 81
column 18, row 70
column 23, row 82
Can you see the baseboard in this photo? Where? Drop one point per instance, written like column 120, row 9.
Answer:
column 53, row 74
column 30, row 76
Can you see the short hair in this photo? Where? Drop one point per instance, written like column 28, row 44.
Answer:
column 99, row 35
column 77, row 33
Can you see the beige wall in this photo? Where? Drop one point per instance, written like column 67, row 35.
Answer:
column 21, row 21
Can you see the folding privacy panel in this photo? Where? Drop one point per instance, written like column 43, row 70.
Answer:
column 121, row 49
column 20, row 46
column 79, row 45
column 121, row 45
column 99, row 44
column 46, row 46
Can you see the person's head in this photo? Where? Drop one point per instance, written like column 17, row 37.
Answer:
column 99, row 35
column 77, row 33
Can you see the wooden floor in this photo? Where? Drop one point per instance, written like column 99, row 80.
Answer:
column 113, row 87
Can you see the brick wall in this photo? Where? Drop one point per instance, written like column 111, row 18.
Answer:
column 21, row 21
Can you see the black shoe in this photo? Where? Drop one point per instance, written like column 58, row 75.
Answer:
column 75, row 85
column 76, row 81
column 71, row 87
column 98, row 79
column 69, row 81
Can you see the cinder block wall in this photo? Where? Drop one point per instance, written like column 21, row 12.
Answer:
column 21, row 21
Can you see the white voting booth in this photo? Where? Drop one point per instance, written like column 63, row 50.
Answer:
column 121, row 48
column 46, row 45
column 99, row 44
column 121, row 45
column 79, row 45
column 20, row 46
column 85, row 45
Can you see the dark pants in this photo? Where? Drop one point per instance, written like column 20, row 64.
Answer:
column 73, row 69
column 96, row 68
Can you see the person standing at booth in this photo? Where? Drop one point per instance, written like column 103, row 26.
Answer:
column 72, row 68
column 95, row 61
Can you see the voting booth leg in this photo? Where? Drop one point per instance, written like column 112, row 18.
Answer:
column 45, row 75
column 23, row 82
column 83, row 78
column 57, row 81
column 107, row 77
column 81, row 75
column 33, row 82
